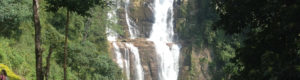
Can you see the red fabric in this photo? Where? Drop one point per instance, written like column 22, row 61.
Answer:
column 2, row 77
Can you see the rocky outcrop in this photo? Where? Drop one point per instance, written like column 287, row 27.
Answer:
column 194, row 61
column 148, row 58
column 147, row 54
column 141, row 12
column 194, row 64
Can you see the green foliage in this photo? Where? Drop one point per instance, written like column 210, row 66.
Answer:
column 225, row 50
column 15, row 58
column 12, row 13
column 196, row 27
column 17, row 50
column 78, row 6
column 3, row 55
column 203, row 60
column 197, row 31
column 86, row 60
column 270, row 50
column 10, row 74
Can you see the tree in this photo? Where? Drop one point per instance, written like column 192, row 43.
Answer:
column 271, row 49
column 13, row 12
column 78, row 6
column 54, row 40
column 38, row 49
column 89, row 63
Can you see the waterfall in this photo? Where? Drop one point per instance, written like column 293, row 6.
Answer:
column 131, row 24
column 123, row 62
column 162, row 35
column 133, row 34
column 127, row 63
column 137, row 63
column 118, row 54
column 123, row 59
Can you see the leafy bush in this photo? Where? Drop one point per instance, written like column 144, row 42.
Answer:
column 11, row 75
column 86, row 60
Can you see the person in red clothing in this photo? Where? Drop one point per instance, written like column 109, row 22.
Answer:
column 3, row 75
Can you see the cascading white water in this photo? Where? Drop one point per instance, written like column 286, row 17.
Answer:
column 133, row 34
column 162, row 35
column 137, row 63
column 131, row 24
column 124, row 61
column 112, row 14
column 127, row 63
column 118, row 55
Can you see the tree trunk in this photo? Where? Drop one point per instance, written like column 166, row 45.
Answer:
column 38, row 49
column 48, row 62
column 66, row 46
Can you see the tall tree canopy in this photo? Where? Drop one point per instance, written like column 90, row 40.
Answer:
column 272, row 47
column 26, row 23
column 78, row 6
column 12, row 13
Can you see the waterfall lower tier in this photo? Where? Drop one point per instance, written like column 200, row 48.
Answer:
column 163, row 37
column 129, row 50
column 122, row 60
column 138, row 67
column 168, row 59
column 128, row 58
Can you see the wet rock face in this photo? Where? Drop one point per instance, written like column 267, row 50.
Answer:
column 194, row 63
column 148, row 58
column 141, row 12
column 147, row 54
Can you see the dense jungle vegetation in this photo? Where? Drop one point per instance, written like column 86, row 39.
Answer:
column 250, row 39
column 87, row 45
